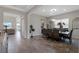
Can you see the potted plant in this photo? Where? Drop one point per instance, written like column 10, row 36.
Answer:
column 5, row 28
column 61, row 25
column 31, row 30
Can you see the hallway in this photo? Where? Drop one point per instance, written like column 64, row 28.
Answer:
column 38, row 45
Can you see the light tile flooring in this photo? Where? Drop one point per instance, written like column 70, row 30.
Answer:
column 40, row 45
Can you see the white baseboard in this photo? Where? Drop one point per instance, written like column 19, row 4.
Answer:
column 28, row 36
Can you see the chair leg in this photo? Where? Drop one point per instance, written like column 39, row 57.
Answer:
column 70, row 41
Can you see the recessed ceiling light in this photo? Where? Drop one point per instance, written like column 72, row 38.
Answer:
column 53, row 9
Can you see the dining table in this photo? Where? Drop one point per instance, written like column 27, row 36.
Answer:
column 64, row 33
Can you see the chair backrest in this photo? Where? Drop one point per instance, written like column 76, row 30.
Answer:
column 43, row 31
column 46, row 31
column 55, row 34
column 71, row 33
column 65, row 29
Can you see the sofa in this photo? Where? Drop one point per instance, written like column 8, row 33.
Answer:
column 10, row 31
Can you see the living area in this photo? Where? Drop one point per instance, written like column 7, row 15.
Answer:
column 44, row 28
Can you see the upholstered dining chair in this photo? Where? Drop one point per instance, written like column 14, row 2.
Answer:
column 55, row 35
column 69, row 36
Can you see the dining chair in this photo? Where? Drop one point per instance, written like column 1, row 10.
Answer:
column 69, row 36
column 55, row 35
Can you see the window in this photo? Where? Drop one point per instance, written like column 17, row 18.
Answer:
column 8, row 23
column 65, row 21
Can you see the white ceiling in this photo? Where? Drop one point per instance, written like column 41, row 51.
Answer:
column 10, row 15
column 23, row 8
column 45, row 10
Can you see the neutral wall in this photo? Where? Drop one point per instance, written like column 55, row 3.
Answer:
column 71, row 16
column 1, row 20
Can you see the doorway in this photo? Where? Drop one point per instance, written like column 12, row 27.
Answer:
column 12, row 21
